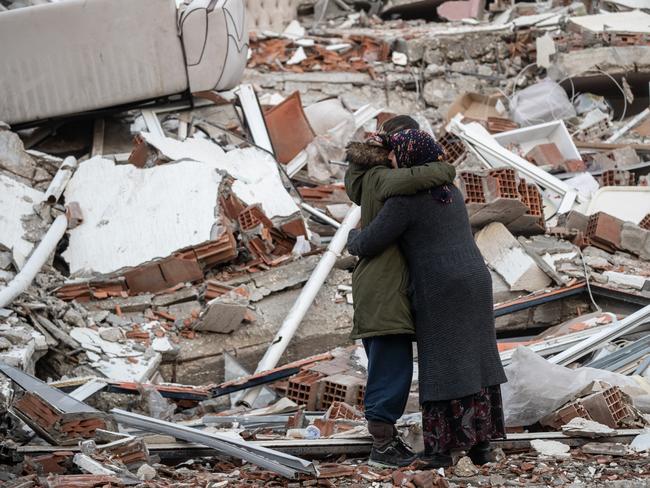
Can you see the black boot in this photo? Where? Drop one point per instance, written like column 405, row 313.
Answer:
column 388, row 450
column 436, row 460
column 481, row 453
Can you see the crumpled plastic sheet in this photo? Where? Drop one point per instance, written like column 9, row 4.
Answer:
column 536, row 387
column 545, row 101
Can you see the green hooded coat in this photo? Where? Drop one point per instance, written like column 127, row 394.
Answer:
column 379, row 284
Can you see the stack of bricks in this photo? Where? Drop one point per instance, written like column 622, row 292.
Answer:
column 607, row 407
column 604, row 231
column 59, row 427
column 565, row 414
column 320, row 385
column 617, row 177
column 472, row 186
column 302, row 388
column 339, row 388
column 498, row 195
column 502, row 183
column 595, row 131
column 455, row 150
column 645, row 222
column 532, row 222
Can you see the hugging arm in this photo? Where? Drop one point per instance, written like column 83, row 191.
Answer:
column 409, row 181
column 391, row 222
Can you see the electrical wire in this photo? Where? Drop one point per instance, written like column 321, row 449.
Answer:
column 573, row 90
column 622, row 92
column 591, row 296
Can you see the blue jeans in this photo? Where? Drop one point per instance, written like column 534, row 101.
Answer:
column 390, row 372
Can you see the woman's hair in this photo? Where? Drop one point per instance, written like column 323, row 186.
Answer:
column 414, row 148
column 398, row 123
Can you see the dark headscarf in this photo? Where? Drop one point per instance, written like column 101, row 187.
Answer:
column 389, row 127
column 414, row 148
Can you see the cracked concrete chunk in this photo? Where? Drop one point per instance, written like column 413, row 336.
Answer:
column 17, row 201
column 505, row 255
column 287, row 276
column 13, row 158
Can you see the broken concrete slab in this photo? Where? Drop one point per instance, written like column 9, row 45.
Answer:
column 626, row 280
column 183, row 295
column 223, row 314
column 16, row 162
column 201, row 360
column 287, row 276
column 117, row 361
column 636, row 240
column 27, row 345
column 606, row 448
column 552, row 449
column 582, row 427
column 257, row 178
column 138, row 303
column 17, row 202
column 504, row 254
column 592, row 61
column 633, row 22
column 128, row 220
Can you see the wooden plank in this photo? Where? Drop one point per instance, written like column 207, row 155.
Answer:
column 605, row 146
column 98, row 138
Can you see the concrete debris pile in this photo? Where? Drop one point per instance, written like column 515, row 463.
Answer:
column 175, row 295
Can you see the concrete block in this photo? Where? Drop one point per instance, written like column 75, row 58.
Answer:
column 626, row 280
column 223, row 315
column 287, row 276
column 546, row 155
column 574, row 220
column 504, row 210
column 505, row 255
column 634, row 239
column 604, row 231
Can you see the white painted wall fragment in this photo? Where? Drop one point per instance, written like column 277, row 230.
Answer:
column 133, row 215
column 16, row 201
column 255, row 171
column 504, row 254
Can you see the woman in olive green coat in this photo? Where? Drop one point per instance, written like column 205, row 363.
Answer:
column 382, row 311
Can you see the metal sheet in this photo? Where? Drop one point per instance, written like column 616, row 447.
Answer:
column 592, row 343
column 625, row 355
column 277, row 462
column 62, row 401
column 288, row 128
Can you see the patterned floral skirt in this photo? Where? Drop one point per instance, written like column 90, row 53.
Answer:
column 461, row 423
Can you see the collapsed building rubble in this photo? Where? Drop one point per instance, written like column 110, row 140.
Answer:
column 175, row 296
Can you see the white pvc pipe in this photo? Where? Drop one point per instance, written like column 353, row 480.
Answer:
column 35, row 262
column 60, row 180
column 317, row 213
column 305, row 299
column 616, row 330
column 620, row 132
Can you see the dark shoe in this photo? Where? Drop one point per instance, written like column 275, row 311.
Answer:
column 435, row 461
column 481, row 453
column 395, row 454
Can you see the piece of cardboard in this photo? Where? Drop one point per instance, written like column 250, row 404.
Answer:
column 475, row 106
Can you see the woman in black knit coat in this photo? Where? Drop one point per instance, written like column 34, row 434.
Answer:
column 460, row 370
